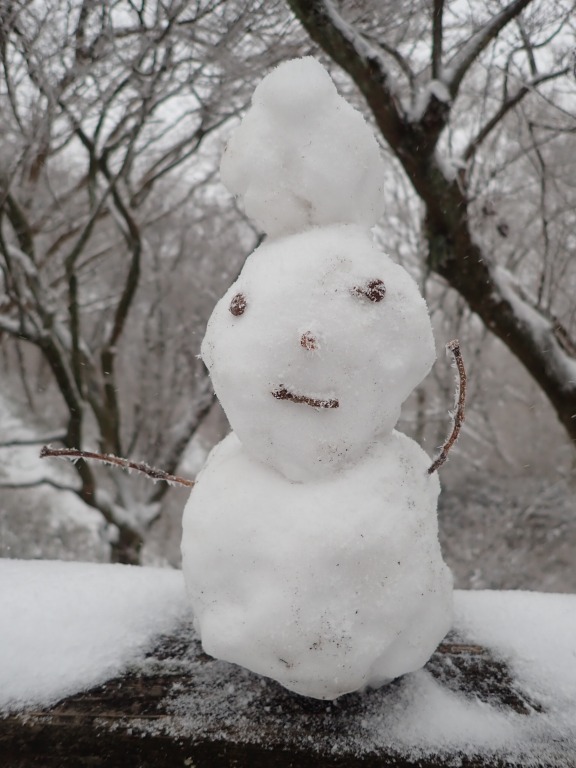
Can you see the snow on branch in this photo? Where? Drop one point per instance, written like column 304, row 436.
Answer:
column 454, row 73
column 545, row 334
column 394, row 53
column 365, row 50
column 13, row 328
column 434, row 96
column 155, row 474
column 354, row 52
column 459, row 400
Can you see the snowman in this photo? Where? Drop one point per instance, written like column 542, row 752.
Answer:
column 310, row 548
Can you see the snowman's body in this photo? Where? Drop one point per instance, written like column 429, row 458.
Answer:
column 310, row 546
column 326, row 586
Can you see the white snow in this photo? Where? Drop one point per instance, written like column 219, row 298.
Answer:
column 420, row 717
column 303, row 156
column 65, row 627
column 538, row 640
column 541, row 329
column 307, row 329
column 326, row 586
column 310, row 545
column 435, row 88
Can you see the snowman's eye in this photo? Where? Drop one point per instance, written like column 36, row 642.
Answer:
column 238, row 304
column 374, row 290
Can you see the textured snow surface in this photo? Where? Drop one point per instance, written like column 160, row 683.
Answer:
column 65, row 627
column 326, row 586
column 302, row 156
column 307, row 327
column 310, row 542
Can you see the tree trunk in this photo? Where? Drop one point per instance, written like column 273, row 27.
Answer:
column 541, row 344
column 127, row 548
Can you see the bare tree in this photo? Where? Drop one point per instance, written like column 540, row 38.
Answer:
column 105, row 106
column 476, row 103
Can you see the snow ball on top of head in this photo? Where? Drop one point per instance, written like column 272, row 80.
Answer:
column 297, row 86
column 302, row 156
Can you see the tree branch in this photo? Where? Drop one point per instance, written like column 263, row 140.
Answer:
column 176, row 449
column 396, row 55
column 461, row 62
column 108, row 353
column 37, row 484
column 59, row 438
column 109, row 415
column 505, row 107
column 361, row 60
column 116, row 461
column 20, row 225
column 437, row 38
column 17, row 330
column 493, row 294
column 134, row 242
column 72, row 280
column 453, row 251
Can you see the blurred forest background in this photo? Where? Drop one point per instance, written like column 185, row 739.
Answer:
column 117, row 238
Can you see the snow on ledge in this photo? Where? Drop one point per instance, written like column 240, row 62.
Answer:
column 66, row 627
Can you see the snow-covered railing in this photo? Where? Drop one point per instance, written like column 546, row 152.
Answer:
column 99, row 665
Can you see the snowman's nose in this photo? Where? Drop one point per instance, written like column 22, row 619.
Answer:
column 308, row 341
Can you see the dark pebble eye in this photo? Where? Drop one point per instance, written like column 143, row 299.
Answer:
column 375, row 290
column 238, row 304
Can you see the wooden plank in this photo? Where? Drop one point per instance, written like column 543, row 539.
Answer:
column 178, row 707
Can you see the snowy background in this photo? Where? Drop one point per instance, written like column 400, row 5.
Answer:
column 515, row 531
column 507, row 511
column 117, row 240
column 108, row 280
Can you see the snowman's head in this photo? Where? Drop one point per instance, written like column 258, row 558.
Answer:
column 315, row 347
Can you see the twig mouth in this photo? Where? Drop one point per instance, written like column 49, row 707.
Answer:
column 284, row 394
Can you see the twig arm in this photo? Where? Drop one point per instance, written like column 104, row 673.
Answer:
column 154, row 474
column 454, row 348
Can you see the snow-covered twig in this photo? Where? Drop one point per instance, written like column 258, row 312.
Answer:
column 152, row 472
column 454, row 348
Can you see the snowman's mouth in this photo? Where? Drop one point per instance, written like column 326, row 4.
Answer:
column 282, row 393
